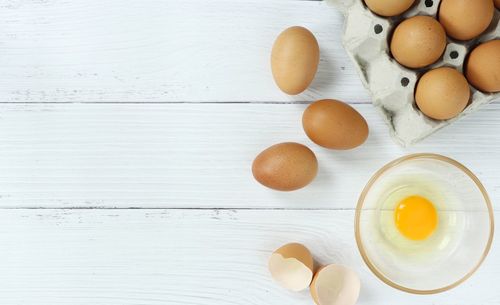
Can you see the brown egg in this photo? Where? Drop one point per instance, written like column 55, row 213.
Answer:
column 294, row 59
column 497, row 4
column 442, row 93
column 465, row 19
column 483, row 67
column 418, row 41
column 335, row 285
column 292, row 266
column 334, row 124
column 285, row 166
column 389, row 8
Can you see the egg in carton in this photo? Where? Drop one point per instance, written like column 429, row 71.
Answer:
column 366, row 39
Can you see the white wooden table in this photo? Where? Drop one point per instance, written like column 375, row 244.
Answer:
column 127, row 132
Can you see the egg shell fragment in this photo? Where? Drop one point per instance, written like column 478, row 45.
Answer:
column 294, row 59
column 292, row 266
column 285, row 167
column 483, row 67
column 335, row 285
column 465, row 19
column 334, row 124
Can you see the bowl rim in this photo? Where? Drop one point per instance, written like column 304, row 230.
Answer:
column 393, row 164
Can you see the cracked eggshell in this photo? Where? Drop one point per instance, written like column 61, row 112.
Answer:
column 292, row 266
column 335, row 285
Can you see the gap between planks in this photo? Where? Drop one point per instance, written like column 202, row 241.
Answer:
column 192, row 102
column 177, row 156
column 179, row 209
column 178, row 102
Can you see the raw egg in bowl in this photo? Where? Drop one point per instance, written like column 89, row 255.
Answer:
column 424, row 223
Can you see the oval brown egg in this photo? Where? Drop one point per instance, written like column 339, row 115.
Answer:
column 483, row 67
column 465, row 19
column 334, row 124
column 442, row 93
column 418, row 42
column 292, row 266
column 294, row 59
column 389, row 8
column 285, row 166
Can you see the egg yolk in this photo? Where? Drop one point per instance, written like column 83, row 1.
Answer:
column 416, row 218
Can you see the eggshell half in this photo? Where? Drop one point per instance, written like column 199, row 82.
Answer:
column 335, row 285
column 292, row 266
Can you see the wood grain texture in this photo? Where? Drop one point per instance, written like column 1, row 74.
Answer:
column 200, row 155
column 164, row 104
column 132, row 257
column 162, row 51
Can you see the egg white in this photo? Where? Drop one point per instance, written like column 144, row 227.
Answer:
column 446, row 237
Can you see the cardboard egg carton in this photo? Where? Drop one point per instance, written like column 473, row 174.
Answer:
column 366, row 39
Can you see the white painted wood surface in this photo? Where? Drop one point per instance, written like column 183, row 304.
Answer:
column 157, row 108
column 156, row 51
column 192, row 155
column 125, row 257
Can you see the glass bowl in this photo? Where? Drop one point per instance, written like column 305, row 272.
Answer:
column 453, row 252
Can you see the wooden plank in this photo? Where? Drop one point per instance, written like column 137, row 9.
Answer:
column 162, row 51
column 148, row 257
column 199, row 155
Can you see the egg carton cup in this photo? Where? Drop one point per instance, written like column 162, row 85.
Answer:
column 366, row 39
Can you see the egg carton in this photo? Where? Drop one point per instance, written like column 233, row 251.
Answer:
column 366, row 39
